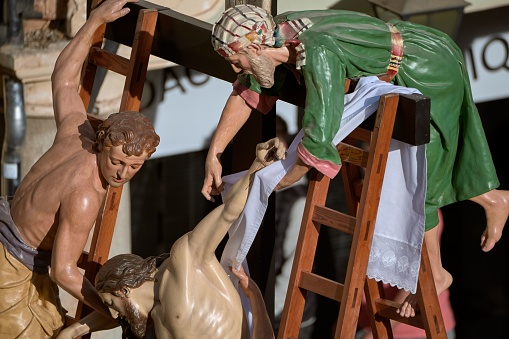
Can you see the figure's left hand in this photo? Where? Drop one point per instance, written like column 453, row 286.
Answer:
column 270, row 151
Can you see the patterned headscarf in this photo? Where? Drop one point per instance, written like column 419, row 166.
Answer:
column 240, row 26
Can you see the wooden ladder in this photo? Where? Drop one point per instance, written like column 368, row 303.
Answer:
column 135, row 70
column 360, row 223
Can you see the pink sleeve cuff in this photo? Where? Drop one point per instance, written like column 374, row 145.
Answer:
column 323, row 166
column 261, row 103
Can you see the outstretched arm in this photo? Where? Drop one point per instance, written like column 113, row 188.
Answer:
column 209, row 232
column 234, row 116
column 66, row 76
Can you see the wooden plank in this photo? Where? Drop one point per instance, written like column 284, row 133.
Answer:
column 186, row 41
column 354, row 155
column 412, row 124
column 387, row 309
column 304, row 257
column 361, row 134
column 380, row 326
column 366, row 217
column 334, row 219
column 109, row 61
column 428, row 300
column 320, row 285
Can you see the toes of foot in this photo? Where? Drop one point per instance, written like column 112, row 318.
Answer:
column 488, row 245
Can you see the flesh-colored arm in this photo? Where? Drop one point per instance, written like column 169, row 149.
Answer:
column 298, row 170
column 209, row 232
column 234, row 116
column 76, row 216
column 91, row 323
column 66, row 76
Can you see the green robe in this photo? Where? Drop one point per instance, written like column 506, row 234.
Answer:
column 343, row 44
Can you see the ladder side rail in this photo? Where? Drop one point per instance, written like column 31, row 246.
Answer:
column 380, row 326
column 430, row 311
column 131, row 98
column 140, row 55
column 293, row 310
column 430, row 317
column 88, row 76
column 87, row 82
column 372, row 186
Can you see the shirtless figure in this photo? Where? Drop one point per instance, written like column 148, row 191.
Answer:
column 188, row 294
column 315, row 47
column 44, row 229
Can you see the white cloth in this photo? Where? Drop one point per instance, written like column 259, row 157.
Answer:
column 399, row 229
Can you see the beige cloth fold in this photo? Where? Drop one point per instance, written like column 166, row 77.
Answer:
column 29, row 302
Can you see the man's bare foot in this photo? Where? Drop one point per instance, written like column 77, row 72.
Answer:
column 410, row 306
column 496, row 207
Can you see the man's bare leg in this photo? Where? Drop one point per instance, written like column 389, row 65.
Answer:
column 496, row 207
column 442, row 278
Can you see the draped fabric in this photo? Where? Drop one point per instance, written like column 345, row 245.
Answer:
column 344, row 44
column 399, row 230
column 29, row 302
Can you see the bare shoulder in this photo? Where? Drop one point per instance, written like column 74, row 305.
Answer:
column 74, row 124
column 63, row 175
column 57, row 192
column 177, row 266
column 179, row 253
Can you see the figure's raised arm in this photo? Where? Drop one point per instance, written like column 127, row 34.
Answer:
column 209, row 232
column 67, row 73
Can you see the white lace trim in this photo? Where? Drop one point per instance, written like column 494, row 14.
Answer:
column 398, row 268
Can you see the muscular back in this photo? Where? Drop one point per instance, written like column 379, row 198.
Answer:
column 57, row 186
column 196, row 298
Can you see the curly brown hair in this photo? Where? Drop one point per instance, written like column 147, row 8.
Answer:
column 133, row 130
column 126, row 270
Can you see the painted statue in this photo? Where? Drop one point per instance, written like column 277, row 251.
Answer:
column 322, row 48
column 45, row 226
column 187, row 293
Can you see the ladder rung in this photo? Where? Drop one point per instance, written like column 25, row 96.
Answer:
column 110, row 61
column 387, row 309
column 361, row 134
column 321, row 285
column 353, row 155
column 332, row 218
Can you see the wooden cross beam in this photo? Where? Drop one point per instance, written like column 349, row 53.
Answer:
column 179, row 38
column 186, row 41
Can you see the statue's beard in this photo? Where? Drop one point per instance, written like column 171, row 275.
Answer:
column 136, row 324
column 263, row 70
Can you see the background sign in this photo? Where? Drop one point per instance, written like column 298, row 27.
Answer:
column 487, row 61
